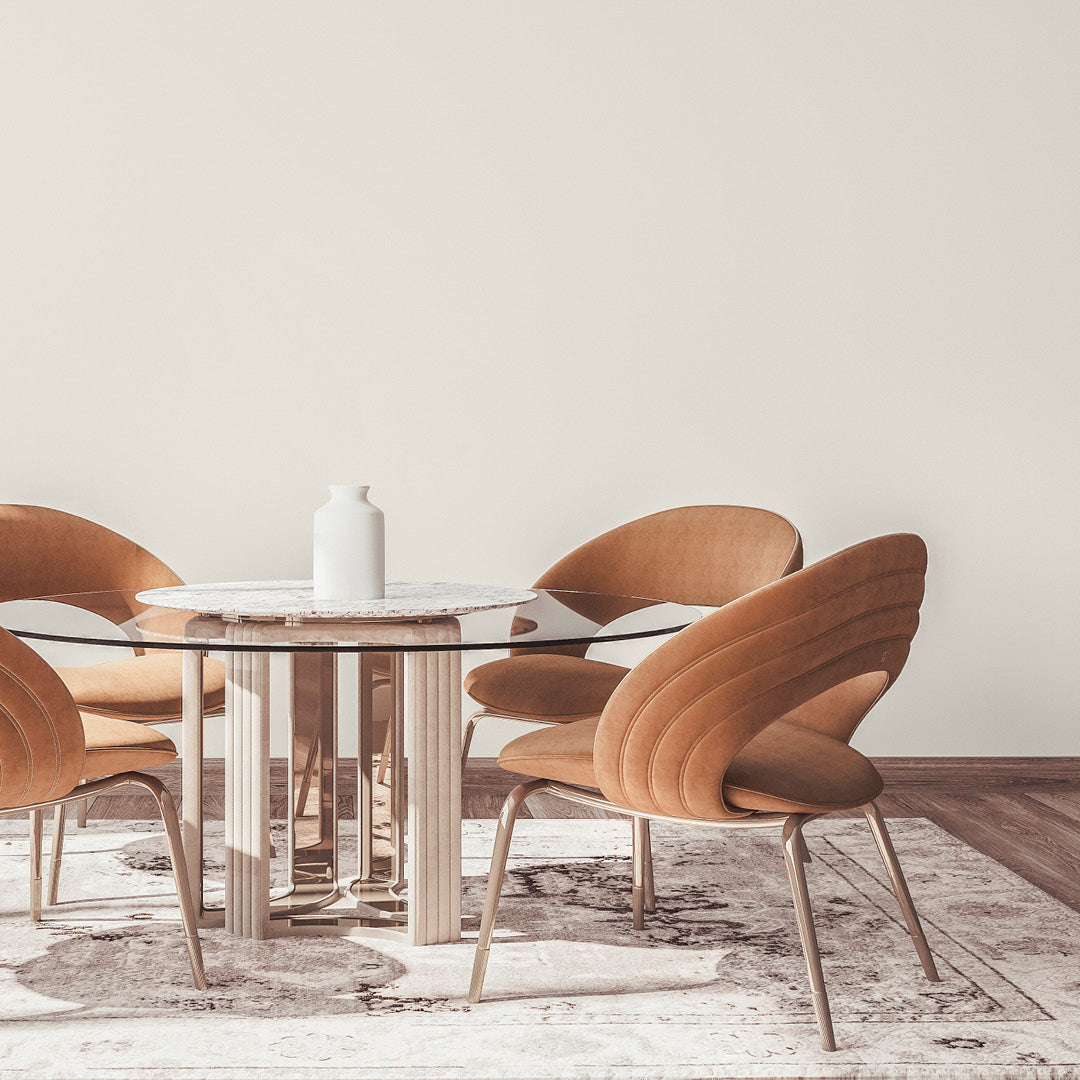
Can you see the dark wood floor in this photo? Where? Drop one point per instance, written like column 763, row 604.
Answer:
column 1023, row 812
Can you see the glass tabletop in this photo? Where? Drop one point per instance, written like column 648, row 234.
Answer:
column 552, row 618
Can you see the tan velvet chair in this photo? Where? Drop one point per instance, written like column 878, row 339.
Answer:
column 698, row 555
column 45, row 552
column 50, row 756
column 743, row 721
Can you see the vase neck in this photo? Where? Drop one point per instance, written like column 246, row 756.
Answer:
column 349, row 492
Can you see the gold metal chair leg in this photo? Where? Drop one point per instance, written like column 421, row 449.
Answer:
column 59, row 819
column 899, row 884
column 650, row 887
column 467, row 734
column 167, row 809
column 80, row 813
column 35, row 864
column 310, row 765
column 794, row 857
column 637, row 887
column 384, row 759
column 505, row 831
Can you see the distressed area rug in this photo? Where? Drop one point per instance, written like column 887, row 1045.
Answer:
column 715, row 987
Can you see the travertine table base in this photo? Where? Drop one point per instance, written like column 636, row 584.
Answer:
column 416, row 892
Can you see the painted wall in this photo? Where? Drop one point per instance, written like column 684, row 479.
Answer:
column 535, row 269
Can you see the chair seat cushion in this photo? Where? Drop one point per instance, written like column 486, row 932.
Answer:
column 787, row 768
column 144, row 688
column 549, row 686
column 561, row 752
column 116, row 746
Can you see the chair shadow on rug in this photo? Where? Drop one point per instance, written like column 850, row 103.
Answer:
column 742, row 721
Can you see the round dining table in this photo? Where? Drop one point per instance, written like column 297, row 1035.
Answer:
column 406, row 877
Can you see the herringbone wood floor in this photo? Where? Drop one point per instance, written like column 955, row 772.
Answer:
column 1023, row 812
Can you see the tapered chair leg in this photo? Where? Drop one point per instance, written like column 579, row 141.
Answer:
column 36, row 832
column 794, row 857
column 467, row 734
column 503, row 834
column 640, row 854
column 80, row 813
column 650, row 888
column 59, row 820
column 899, row 884
column 167, row 809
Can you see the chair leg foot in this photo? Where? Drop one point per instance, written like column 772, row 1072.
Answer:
column 795, row 853
column 899, row 884
column 59, row 820
column 495, row 880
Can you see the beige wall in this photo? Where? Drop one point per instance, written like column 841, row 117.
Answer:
column 533, row 269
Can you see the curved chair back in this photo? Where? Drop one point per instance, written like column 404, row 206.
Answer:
column 705, row 555
column 46, row 552
column 679, row 718
column 41, row 734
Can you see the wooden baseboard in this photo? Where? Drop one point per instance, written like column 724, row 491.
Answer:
column 990, row 771
column 954, row 773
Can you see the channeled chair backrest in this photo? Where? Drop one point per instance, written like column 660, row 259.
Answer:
column 46, row 552
column 705, row 555
column 677, row 720
column 41, row 734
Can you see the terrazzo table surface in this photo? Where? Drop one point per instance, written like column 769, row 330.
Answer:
column 296, row 599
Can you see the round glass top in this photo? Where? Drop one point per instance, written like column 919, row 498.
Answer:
column 551, row 618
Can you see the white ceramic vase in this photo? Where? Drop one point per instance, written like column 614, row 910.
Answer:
column 349, row 546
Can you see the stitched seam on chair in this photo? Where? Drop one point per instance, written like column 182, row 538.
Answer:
column 50, row 727
column 744, row 637
column 530, row 757
column 735, row 641
column 132, row 749
column 757, row 697
column 650, row 767
column 781, row 798
column 26, row 750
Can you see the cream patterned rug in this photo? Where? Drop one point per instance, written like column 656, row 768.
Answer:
column 715, row 987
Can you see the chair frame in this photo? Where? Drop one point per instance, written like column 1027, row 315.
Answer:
column 167, row 809
column 641, row 836
column 553, row 578
column 795, row 852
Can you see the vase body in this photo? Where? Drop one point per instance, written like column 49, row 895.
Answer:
column 349, row 546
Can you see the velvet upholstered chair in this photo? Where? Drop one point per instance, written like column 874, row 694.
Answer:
column 49, row 758
column 698, row 555
column 743, row 721
column 45, row 552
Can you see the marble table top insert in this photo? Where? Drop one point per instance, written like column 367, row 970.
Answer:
column 295, row 600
